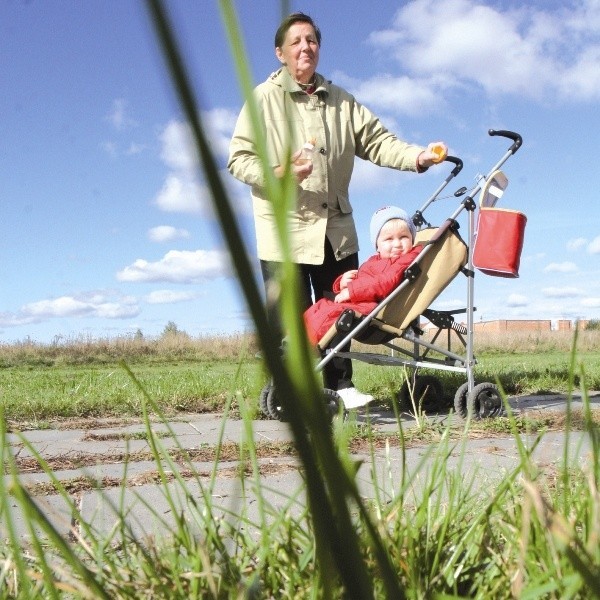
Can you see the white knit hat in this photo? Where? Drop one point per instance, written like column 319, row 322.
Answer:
column 385, row 214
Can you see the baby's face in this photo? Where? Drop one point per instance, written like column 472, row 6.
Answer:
column 394, row 239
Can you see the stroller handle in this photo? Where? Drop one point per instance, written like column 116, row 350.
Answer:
column 515, row 137
column 459, row 164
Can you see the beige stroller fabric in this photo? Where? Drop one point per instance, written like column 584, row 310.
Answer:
column 440, row 263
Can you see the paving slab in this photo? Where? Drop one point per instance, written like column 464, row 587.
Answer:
column 149, row 505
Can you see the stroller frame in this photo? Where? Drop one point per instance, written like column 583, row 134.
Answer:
column 471, row 400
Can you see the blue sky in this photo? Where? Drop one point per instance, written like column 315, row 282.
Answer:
column 106, row 226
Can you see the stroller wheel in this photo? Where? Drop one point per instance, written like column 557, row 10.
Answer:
column 274, row 406
column 484, row 401
column 427, row 392
column 460, row 400
column 334, row 405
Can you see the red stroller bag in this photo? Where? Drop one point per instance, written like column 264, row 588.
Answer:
column 499, row 241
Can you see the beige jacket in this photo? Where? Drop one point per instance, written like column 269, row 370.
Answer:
column 343, row 129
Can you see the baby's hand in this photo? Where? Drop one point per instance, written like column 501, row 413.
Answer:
column 347, row 277
column 343, row 296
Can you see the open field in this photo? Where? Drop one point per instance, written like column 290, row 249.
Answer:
column 87, row 379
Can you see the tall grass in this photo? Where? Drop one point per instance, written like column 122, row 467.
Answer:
column 523, row 342
column 98, row 351
column 430, row 533
column 167, row 347
column 328, row 485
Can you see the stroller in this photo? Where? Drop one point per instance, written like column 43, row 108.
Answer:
column 492, row 247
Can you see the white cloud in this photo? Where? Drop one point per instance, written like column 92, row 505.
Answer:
column 182, row 195
column 563, row 267
column 58, row 307
column 558, row 292
column 178, row 151
column 178, row 147
column 118, row 116
column 121, row 122
column 135, row 149
column 576, row 244
column 594, row 247
column 169, row 297
column 591, row 302
column 367, row 176
column 167, row 233
column 526, row 51
column 220, row 124
column 449, row 304
column 182, row 190
column 179, row 267
column 114, row 310
column 398, row 94
column 517, row 301
column 92, row 304
column 110, row 148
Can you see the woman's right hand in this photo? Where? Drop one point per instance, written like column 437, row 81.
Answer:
column 300, row 169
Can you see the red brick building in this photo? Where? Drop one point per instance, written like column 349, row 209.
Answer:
column 502, row 325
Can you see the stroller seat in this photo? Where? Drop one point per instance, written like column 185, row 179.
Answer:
column 444, row 255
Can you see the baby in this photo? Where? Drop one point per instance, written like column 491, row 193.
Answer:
column 393, row 235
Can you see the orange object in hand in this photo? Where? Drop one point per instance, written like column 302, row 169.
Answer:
column 440, row 153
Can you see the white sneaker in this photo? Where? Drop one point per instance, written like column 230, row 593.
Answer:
column 352, row 398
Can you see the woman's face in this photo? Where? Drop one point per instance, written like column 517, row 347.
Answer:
column 300, row 52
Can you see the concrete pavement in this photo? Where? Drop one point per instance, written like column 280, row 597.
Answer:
column 119, row 453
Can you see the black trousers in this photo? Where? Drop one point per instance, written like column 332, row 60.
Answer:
column 315, row 281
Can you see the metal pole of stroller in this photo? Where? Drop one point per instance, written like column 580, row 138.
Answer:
column 418, row 218
column 470, row 359
column 517, row 142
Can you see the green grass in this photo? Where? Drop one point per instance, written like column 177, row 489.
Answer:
column 44, row 393
column 36, row 388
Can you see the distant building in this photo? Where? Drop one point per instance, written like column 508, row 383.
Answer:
column 502, row 325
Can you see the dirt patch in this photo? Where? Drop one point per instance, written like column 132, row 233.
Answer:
column 77, row 485
column 226, row 452
column 122, row 436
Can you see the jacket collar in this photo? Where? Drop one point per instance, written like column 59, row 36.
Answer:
column 284, row 80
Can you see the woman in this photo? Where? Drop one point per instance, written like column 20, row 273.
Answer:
column 296, row 105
